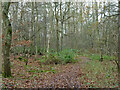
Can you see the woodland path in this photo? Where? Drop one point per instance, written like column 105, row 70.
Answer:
column 68, row 75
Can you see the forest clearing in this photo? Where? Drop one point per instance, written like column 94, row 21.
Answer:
column 60, row 44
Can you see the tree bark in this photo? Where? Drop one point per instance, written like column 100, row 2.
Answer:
column 50, row 27
column 62, row 18
column 8, row 39
column 119, row 42
column 36, row 38
column 45, row 28
column 0, row 39
column 57, row 27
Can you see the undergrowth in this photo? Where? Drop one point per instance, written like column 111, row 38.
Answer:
column 96, row 56
column 103, row 73
column 63, row 57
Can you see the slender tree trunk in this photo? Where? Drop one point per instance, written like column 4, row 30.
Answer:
column 119, row 43
column 48, row 46
column 32, row 24
column 36, row 38
column 81, row 19
column 57, row 35
column 92, row 42
column 97, row 29
column 45, row 28
column 62, row 18
column 103, row 30
column 101, row 45
column 69, row 28
column 0, row 38
column 57, row 27
column 8, row 39
column 61, row 35
column 51, row 27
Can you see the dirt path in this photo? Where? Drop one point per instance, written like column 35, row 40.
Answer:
column 84, row 59
column 69, row 76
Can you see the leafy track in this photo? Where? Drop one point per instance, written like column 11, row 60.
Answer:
column 67, row 76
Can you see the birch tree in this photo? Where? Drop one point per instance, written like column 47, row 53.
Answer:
column 50, row 27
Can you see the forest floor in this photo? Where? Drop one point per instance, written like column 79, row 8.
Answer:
column 0, row 80
column 83, row 74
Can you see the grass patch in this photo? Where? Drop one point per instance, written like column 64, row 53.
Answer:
column 97, row 57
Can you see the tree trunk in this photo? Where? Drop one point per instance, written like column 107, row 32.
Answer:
column 62, row 18
column 8, row 39
column 0, row 39
column 57, row 35
column 119, row 43
column 45, row 28
column 51, row 27
column 61, row 35
column 92, row 40
column 57, row 27
column 36, row 38
column 96, row 24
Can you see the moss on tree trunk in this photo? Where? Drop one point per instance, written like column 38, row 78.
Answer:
column 7, row 40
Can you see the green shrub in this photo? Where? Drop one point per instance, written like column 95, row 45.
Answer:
column 49, row 59
column 63, row 57
column 42, row 60
column 26, row 61
column 20, row 58
column 67, row 56
column 106, row 57
column 53, row 59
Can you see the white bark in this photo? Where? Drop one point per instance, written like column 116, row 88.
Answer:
column 48, row 46
column 49, row 32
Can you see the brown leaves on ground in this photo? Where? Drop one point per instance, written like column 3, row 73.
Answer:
column 66, row 76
